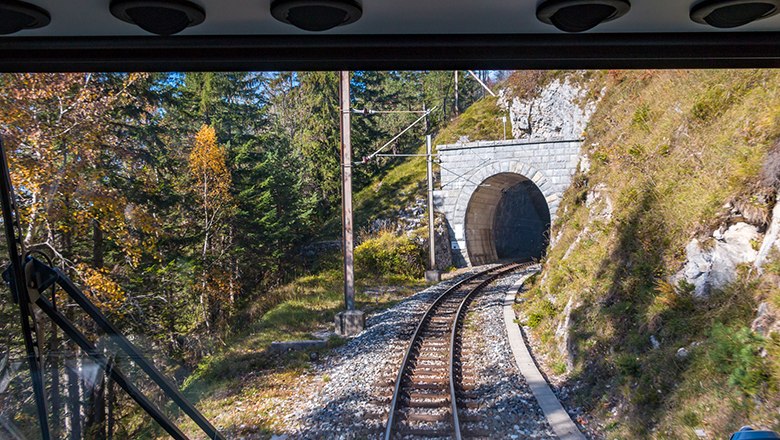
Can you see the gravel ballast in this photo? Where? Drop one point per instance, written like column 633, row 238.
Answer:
column 347, row 394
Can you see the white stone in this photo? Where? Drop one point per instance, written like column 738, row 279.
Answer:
column 770, row 238
column 555, row 113
column 562, row 335
column 713, row 267
column 766, row 320
column 584, row 164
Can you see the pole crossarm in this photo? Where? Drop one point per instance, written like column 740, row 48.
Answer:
column 367, row 111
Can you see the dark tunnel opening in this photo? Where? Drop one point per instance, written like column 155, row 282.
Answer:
column 522, row 224
column 507, row 219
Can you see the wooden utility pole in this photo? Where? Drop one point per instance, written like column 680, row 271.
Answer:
column 346, row 191
column 349, row 322
column 432, row 274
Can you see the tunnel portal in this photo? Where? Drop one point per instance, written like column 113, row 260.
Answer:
column 507, row 218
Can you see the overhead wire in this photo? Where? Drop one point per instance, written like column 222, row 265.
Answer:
column 379, row 150
column 366, row 111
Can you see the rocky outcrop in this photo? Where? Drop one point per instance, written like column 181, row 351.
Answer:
column 599, row 209
column 409, row 220
column 712, row 264
column 562, row 335
column 770, row 239
column 767, row 320
column 561, row 110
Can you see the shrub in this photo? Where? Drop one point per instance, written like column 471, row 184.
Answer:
column 628, row 364
column 713, row 102
column 641, row 118
column 390, row 254
column 540, row 311
column 736, row 352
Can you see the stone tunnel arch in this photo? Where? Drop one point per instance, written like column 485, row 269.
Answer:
column 550, row 165
column 507, row 217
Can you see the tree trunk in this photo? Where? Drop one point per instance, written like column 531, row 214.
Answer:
column 73, row 363
column 56, row 400
column 95, row 420
column 204, row 300
column 97, row 245
column 111, row 400
column 74, row 399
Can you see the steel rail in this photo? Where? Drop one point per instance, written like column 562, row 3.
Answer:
column 391, row 419
column 459, row 315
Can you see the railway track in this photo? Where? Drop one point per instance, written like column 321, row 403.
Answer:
column 431, row 391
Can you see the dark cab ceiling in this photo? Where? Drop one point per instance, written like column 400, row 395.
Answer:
column 390, row 34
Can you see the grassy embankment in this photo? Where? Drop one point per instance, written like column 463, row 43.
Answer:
column 671, row 148
column 240, row 387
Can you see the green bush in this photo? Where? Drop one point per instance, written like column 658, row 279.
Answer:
column 642, row 117
column 539, row 312
column 628, row 364
column 390, row 254
column 736, row 352
column 714, row 102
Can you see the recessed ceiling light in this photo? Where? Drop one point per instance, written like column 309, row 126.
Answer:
column 733, row 13
column 316, row 15
column 580, row 15
column 161, row 17
column 16, row 16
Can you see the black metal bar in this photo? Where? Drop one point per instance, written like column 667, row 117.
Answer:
column 19, row 288
column 125, row 345
column 111, row 370
column 641, row 50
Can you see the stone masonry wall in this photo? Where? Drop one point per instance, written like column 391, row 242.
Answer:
column 464, row 167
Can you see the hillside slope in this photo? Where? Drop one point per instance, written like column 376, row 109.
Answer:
column 652, row 314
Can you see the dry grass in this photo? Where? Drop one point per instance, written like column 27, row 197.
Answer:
column 672, row 147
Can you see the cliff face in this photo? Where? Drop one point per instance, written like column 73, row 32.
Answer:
column 559, row 109
column 657, row 312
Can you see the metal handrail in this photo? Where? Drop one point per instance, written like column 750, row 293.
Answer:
column 41, row 278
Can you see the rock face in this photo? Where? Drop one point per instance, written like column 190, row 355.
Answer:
column 600, row 209
column 766, row 321
column 406, row 219
column 560, row 111
column 770, row 238
column 562, row 335
column 712, row 267
column 409, row 219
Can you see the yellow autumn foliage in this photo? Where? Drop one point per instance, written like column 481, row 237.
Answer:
column 101, row 289
column 207, row 164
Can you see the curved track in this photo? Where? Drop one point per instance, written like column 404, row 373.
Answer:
column 429, row 387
